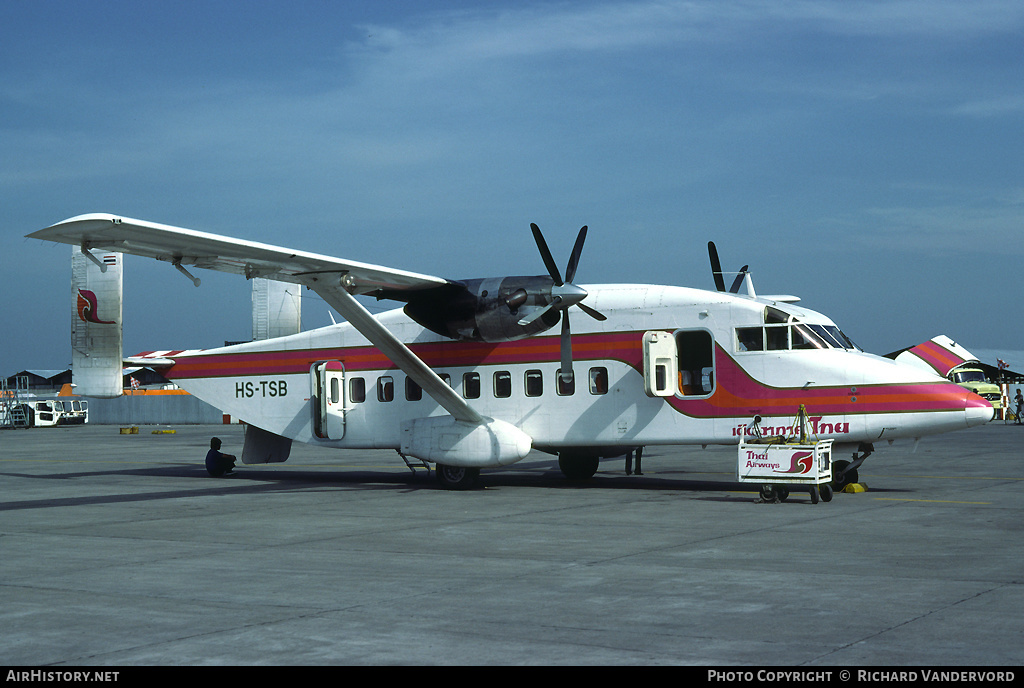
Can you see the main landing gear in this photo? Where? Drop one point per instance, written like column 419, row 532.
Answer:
column 457, row 477
column 578, row 466
column 845, row 472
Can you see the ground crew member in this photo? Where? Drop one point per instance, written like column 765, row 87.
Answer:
column 217, row 463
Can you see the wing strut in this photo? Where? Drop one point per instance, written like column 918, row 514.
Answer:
column 393, row 348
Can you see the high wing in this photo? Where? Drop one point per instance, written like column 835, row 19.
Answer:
column 336, row 281
column 182, row 247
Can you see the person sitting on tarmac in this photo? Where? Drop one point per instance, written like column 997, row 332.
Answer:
column 217, row 463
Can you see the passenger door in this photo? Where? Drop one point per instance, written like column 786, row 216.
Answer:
column 329, row 400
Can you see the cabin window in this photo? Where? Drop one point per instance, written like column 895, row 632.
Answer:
column 335, row 390
column 356, row 390
column 446, row 377
column 413, row 391
column 599, row 380
column 534, row 383
column 502, row 384
column 471, row 385
column 385, row 388
column 563, row 388
column 660, row 376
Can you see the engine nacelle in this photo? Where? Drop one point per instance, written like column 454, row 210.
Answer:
column 487, row 310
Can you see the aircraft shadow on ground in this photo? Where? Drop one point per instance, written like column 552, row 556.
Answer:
column 273, row 479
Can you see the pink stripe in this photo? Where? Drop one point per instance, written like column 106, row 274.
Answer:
column 942, row 360
column 737, row 394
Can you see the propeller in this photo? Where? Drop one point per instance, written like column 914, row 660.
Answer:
column 716, row 271
column 564, row 294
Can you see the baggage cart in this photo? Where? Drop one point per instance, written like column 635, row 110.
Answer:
column 780, row 464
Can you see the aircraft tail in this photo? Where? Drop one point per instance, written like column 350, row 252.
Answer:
column 96, row 349
column 97, row 352
column 938, row 355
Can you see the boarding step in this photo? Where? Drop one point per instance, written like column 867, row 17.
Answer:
column 413, row 463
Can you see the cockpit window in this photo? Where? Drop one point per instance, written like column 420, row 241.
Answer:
column 782, row 332
column 806, row 338
column 750, row 338
column 841, row 336
column 777, row 337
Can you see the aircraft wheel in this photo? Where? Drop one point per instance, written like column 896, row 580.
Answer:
column 849, row 477
column 783, row 493
column 457, row 477
column 575, row 467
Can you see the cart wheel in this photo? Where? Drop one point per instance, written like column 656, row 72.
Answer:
column 814, row 494
column 783, row 493
column 826, row 492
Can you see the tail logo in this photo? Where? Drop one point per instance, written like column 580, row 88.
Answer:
column 87, row 308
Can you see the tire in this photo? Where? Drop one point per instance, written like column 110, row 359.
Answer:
column 850, row 477
column 826, row 492
column 457, row 477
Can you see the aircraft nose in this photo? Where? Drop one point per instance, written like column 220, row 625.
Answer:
column 977, row 410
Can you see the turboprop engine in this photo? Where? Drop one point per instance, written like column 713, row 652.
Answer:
column 492, row 309
column 501, row 309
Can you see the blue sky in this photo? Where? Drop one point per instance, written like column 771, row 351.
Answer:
column 864, row 155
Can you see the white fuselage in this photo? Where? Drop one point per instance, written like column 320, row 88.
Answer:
column 716, row 389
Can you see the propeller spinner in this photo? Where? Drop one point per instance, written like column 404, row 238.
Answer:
column 564, row 294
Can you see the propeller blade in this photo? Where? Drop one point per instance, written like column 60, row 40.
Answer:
column 738, row 282
column 538, row 313
column 545, row 254
column 574, row 258
column 716, row 266
column 566, row 348
column 564, row 294
column 591, row 312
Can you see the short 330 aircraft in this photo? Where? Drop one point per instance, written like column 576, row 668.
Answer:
column 472, row 374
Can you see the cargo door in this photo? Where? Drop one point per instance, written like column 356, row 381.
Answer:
column 329, row 400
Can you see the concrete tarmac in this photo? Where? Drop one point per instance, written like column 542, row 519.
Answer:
column 119, row 550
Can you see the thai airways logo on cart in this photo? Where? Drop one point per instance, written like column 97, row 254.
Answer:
column 87, row 308
column 800, row 462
